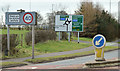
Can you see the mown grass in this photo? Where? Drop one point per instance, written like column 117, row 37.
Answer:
column 4, row 31
column 118, row 42
column 59, row 46
column 82, row 39
column 61, row 57
column 47, row 47
column 9, row 64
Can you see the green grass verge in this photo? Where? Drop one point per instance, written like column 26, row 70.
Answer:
column 47, row 47
column 11, row 64
column 55, row 58
column 4, row 31
column 61, row 57
column 59, row 46
column 82, row 39
column 118, row 42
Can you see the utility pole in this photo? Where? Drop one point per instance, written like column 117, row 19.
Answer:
column 110, row 7
column 52, row 16
column 30, row 5
column 118, row 16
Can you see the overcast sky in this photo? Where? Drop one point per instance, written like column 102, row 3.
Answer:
column 45, row 6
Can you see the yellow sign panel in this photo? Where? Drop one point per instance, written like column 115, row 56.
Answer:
column 99, row 53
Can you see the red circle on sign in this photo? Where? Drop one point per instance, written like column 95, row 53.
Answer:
column 24, row 19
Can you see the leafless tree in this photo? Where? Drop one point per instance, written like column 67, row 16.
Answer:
column 4, row 9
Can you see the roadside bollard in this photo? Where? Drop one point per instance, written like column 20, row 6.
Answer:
column 99, row 43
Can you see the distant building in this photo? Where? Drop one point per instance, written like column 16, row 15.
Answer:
column 119, row 12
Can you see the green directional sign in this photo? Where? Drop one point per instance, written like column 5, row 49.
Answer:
column 77, row 22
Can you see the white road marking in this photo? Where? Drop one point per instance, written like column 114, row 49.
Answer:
column 34, row 67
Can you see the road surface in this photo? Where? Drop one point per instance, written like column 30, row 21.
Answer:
column 68, row 62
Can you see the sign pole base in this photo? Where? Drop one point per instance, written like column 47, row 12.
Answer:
column 100, row 59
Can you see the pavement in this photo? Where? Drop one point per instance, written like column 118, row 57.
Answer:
column 61, row 53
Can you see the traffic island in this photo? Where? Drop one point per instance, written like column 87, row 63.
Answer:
column 102, row 64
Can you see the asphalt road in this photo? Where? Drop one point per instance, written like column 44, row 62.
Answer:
column 69, row 62
column 81, row 60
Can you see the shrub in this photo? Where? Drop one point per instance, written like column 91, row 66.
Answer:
column 40, row 36
column 13, row 43
column 64, row 36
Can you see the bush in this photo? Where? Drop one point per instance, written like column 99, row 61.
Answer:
column 40, row 36
column 13, row 43
column 64, row 36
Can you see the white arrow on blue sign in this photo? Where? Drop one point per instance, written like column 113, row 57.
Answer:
column 99, row 41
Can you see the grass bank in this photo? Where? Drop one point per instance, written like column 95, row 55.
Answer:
column 82, row 39
column 47, row 47
column 4, row 31
column 68, row 56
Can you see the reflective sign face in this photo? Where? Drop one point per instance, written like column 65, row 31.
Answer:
column 20, row 18
column 28, row 18
column 99, row 41
column 75, row 24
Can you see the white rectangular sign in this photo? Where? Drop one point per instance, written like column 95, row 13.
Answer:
column 21, row 18
column 59, row 23
column 15, row 18
column 69, row 23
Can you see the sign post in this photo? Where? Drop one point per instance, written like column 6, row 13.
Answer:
column 8, row 39
column 99, row 42
column 78, row 37
column 68, row 36
column 33, row 41
column 21, row 18
column 69, row 23
column 59, row 36
column 28, row 18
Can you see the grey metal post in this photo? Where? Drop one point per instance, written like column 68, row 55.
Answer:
column 78, row 37
column 33, row 41
column 68, row 36
column 59, row 36
column 8, row 38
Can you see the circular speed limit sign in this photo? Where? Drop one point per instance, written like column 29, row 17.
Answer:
column 27, row 18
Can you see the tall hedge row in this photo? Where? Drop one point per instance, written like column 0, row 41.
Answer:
column 40, row 36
